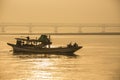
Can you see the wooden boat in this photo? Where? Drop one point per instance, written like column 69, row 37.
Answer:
column 41, row 46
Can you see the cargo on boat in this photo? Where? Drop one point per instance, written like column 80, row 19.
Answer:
column 41, row 45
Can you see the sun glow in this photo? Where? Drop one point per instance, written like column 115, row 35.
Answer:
column 42, row 69
column 44, row 63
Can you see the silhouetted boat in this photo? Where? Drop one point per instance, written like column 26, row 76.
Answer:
column 41, row 46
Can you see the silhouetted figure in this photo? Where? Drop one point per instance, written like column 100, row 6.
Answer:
column 23, row 43
column 75, row 45
column 28, row 38
column 69, row 45
column 18, row 43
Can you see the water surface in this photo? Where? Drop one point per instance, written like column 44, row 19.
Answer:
column 99, row 59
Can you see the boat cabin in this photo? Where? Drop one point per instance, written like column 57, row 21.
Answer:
column 41, row 42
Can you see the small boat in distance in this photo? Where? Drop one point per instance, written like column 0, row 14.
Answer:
column 42, row 45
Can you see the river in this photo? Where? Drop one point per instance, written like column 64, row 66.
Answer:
column 99, row 59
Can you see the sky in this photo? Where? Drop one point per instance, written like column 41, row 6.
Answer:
column 60, row 11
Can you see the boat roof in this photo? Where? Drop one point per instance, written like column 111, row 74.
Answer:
column 23, row 39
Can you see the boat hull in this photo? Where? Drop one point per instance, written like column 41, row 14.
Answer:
column 61, row 50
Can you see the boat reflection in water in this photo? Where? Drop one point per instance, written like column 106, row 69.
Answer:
column 44, row 66
column 32, row 55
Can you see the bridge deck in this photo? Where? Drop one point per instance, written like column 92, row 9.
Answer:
column 61, row 33
column 59, row 29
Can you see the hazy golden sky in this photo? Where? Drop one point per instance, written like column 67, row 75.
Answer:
column 60, row 11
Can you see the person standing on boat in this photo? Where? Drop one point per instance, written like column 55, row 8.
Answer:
column 69, row 45
column 75, row 45
column 18, row 43
column 28, row 38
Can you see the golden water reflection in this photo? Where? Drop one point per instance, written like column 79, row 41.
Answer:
column 44, row 69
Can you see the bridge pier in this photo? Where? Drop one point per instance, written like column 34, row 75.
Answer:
column 79, row 29
column 30, row 28
column 103, row 28
column 56, row 29
column 3, row 29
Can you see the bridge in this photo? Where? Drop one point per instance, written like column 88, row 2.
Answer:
column 58, row 29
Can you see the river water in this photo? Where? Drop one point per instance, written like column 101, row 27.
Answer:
column 99, row 59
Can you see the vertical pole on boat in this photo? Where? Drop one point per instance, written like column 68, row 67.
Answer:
column 49, row 39
column 35, row 41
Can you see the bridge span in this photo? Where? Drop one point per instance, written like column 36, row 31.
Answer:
column 58, row 29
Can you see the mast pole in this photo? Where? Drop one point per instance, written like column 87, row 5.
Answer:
column 50, row 40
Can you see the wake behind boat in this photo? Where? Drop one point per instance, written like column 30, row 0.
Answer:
column 41, row 45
